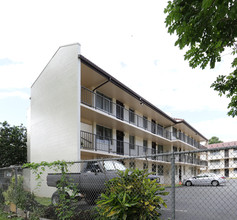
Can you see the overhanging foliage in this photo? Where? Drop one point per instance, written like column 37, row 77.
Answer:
column 207, row 27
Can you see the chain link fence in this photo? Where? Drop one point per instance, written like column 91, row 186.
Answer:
column 199, row 184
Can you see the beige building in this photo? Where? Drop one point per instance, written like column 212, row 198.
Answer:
column 223, row 161
column 79, row 111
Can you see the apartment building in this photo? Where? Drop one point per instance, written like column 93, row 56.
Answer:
column 223, row 160
column 79, row 112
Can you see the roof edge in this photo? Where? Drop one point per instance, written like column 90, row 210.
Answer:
column 67, row 45
column 123, row 87
column 186, row 123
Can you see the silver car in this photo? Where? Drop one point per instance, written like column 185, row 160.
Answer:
column 205, row 179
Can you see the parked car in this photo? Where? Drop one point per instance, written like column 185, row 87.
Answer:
column 91, row 180
column 205, row 179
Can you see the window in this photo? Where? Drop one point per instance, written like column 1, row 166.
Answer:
column 215, row 162
column 160, row 170
column 235, row 170
column 180, row 135
column 184, row 170
column 119, row 110
column 215, row 152
column 131, row 116
column 131, row 142
column 113, row 165
column 144, row 145
column 103, row 133
column 216, row 171
column 153, row 168
column 175, row 132
column 153, row 126
column 132, row 165
column 235, row 160
column 160, row 130
column 160, row 149
column 92, row 167
column 145, row 166
column 144, row 122
column 103, row 102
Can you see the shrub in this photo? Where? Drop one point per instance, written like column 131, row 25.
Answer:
column 2, row 200
column 132, row 195
column 17, row 195
column 67, row 191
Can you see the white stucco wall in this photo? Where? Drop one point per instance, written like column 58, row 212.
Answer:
column 55, row 111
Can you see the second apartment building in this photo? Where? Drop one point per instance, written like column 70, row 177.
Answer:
column 79, row 112
column 223, row 159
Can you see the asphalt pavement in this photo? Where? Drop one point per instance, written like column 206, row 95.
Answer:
column 198, row 202
column 203, row 202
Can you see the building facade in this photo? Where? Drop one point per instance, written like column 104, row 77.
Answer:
column 79, row 112
column 223, row 160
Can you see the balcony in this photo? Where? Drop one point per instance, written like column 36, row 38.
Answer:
column 183, row 137
column 106, row 105
column 190, row 159
column 93, row 142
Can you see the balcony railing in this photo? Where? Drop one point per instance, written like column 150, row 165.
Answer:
column 105, row 105
column 183, row 137
column 94, row 142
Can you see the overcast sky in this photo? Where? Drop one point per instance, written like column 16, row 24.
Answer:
column 127, row 39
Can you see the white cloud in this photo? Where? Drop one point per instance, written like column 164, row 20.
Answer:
column 19, row 94
column 128, row 39
column 224, row 128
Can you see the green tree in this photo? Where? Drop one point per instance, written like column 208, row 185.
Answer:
column 13, row 150
column 207, row 28
column 214, row 140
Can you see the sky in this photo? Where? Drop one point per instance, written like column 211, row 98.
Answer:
column 127, row 39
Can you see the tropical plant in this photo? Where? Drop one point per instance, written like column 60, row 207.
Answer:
column 207, row 28
column 131, row 196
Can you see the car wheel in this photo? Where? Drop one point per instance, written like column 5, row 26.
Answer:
column 215, row 183
column 188, row 183
column 91, row 199
column 55, row 199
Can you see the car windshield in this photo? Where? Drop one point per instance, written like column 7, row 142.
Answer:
column 114, row 165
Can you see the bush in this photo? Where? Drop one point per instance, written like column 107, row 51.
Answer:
column 17, row 195
column 65, row 207
column 132, row 195
column 2, row 200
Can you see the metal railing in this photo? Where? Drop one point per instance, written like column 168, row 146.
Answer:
column 95, row 142
column 106, row 105
column 183, row 137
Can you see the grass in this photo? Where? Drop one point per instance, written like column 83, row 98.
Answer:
column 43, row 201
column 4, row 216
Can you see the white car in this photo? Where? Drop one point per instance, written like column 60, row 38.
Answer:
column 205, row 179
